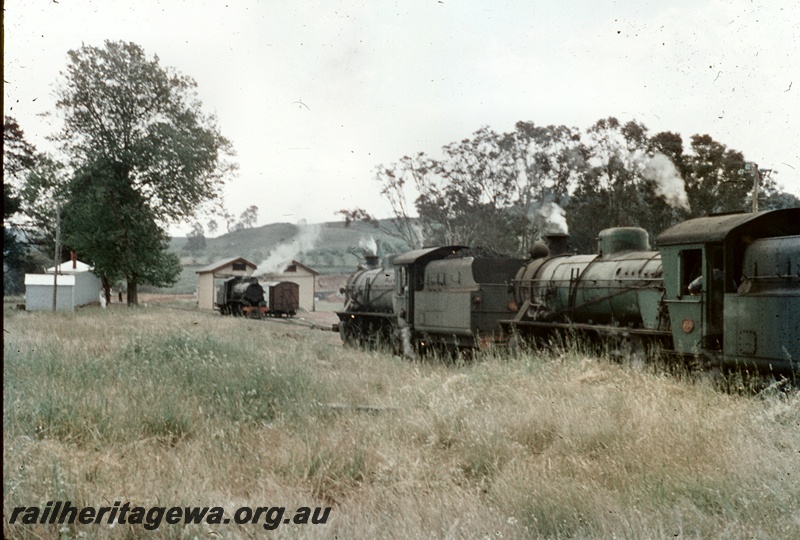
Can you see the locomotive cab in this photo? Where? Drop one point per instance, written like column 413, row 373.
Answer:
column 693, row 280
column 710, row 266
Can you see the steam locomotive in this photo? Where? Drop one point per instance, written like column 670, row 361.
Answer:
column 245, row 296
column 722, row 289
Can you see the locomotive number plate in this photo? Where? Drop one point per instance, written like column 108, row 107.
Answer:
column 687, row 325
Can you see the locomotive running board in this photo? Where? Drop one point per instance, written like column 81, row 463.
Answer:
column 600, row 329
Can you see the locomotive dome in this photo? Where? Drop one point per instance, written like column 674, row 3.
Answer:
column 619, row 239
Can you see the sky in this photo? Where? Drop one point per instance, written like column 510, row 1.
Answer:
column 314, row 95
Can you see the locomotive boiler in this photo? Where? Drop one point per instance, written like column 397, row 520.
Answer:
column 619, row 287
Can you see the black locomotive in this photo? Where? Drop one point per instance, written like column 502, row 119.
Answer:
column 241, row 296
column 722, row 289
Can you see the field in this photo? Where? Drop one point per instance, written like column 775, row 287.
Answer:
column 162, row 406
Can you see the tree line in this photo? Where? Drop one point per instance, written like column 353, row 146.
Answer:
column 506, row 190
column 136, row 153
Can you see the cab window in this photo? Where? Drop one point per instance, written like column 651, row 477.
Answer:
column 691, row 270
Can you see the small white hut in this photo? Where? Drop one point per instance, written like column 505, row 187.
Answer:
column 76, row 286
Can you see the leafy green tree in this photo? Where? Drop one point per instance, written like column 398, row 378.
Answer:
column 131, row 247
column 714, row 183
column 43, row 193
column 609, row 194
column 125, row 112
column 467, row 198
column 775, row 199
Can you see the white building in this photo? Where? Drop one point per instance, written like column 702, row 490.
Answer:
column 296, row 272
column 76, row 286
column 210, row 276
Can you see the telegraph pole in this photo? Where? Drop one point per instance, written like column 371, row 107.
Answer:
column 756, row 182
column 56, row 256
column 751, row 167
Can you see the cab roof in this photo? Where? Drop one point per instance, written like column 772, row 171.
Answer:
column 411, row 257
column 716, row 228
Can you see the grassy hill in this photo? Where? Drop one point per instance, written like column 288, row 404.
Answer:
column 328, row 247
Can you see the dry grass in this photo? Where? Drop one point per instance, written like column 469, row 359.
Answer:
column 172, row 407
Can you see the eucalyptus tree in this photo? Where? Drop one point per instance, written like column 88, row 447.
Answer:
column 468, row 197
column 400, row 184
column 549, row 161
column 249, row 217
column 609, row 194
column 714, row 182
column 129, row 114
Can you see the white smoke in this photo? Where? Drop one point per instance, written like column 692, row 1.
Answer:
column 280, row 257
column 552, row 219
column 369, row 245
column 669, row 184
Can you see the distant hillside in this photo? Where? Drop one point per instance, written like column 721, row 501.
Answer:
column 328, row 247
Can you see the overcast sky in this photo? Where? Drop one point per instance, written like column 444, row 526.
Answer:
column 315, row 95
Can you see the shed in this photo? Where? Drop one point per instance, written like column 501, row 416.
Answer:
column 77, row 286
column 305, row 277
column 222, row 269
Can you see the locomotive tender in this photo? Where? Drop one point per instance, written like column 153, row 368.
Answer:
column 723, row 288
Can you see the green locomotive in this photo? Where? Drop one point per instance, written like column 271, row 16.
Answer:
column 724, row 289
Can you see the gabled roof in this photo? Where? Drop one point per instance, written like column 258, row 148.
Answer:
column 66, row 268
column 223, row 263
column 717, row 228
column 287, row 265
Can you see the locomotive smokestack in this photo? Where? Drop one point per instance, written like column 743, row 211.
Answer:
column 558, row 243
column 370, row 261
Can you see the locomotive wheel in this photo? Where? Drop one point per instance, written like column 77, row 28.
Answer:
column 348, row 334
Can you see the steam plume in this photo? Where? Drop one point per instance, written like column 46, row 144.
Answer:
column 552, row 219
column 669, row 184
column 283, row 254
column 369, row 245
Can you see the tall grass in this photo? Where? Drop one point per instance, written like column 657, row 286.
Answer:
column 175, row 407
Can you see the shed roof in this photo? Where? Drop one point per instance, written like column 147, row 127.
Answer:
column 716, row 228
column 223, row 263
column 66, row 268
column 293, row 262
